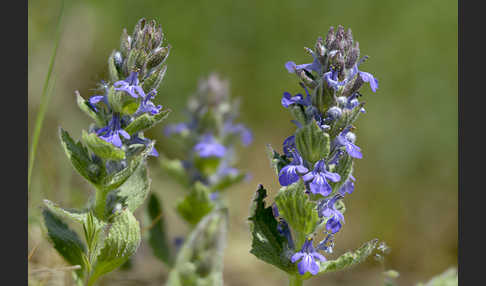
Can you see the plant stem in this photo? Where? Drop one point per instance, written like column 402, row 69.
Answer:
column 100, row 203
column 295, row 280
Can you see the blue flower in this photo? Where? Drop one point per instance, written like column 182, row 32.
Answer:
column 335, row 217
column 309, row 256
column 176, row 129
column 288, row 100
column 332, row 80
column 245, row 133
column 147, row 106
column 348, row 186
column 353, row 150
column 290, row 173
column 209, row 147
column 289, row 145
column 93, row 101
column 367, row 77
column 318, row 179
column 214, row 196
column 327, row 244
column 130, row 85
column 314, row 66
column 112, row 132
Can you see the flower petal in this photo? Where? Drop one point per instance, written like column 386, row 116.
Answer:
column 296, row 256
column 288, row 175
column 290, row 66
column 305, row 264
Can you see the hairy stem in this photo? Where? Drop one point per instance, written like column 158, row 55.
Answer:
column 100, row 203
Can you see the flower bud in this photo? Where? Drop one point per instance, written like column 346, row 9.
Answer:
column 157, row 57
column 330, row 38
column 351, row 137
column 334, row 112
column 118, row 60
column 125, row 43
column 353, row 56
column 342, row 100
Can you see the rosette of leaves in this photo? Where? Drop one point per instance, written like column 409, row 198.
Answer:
column 316, row 164
column 111, row 156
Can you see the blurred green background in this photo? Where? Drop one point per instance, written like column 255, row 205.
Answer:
column 406, row 189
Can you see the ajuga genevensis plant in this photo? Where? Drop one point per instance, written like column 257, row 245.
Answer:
column 315, row 168
column 208, row 141
column 111, row 156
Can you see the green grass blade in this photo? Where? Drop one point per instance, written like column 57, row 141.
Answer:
column 44, row 99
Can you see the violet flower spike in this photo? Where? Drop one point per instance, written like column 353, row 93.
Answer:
column 290, row 173
column 318, row 179
column 130, row 85
column 309, row 256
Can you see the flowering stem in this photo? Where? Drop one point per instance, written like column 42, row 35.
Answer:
column 295, row 280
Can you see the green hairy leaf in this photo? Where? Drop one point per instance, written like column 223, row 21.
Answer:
column 298, row 113
column 146, row 121
column 346, row 260
column 102, row 148
column 344, row 169
column 115, row 180
column 267, row 243
column 135, row 190
column 65, row 240
column 313, row 143
column 83, row 105
column 298, row 210
column 447, row 278
column 113, row 71
column 155, row 79
column 200, row 260
column 196, row 204
column 121, row 242
column 81, row 159
column 72, row 214
column 158, row 239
